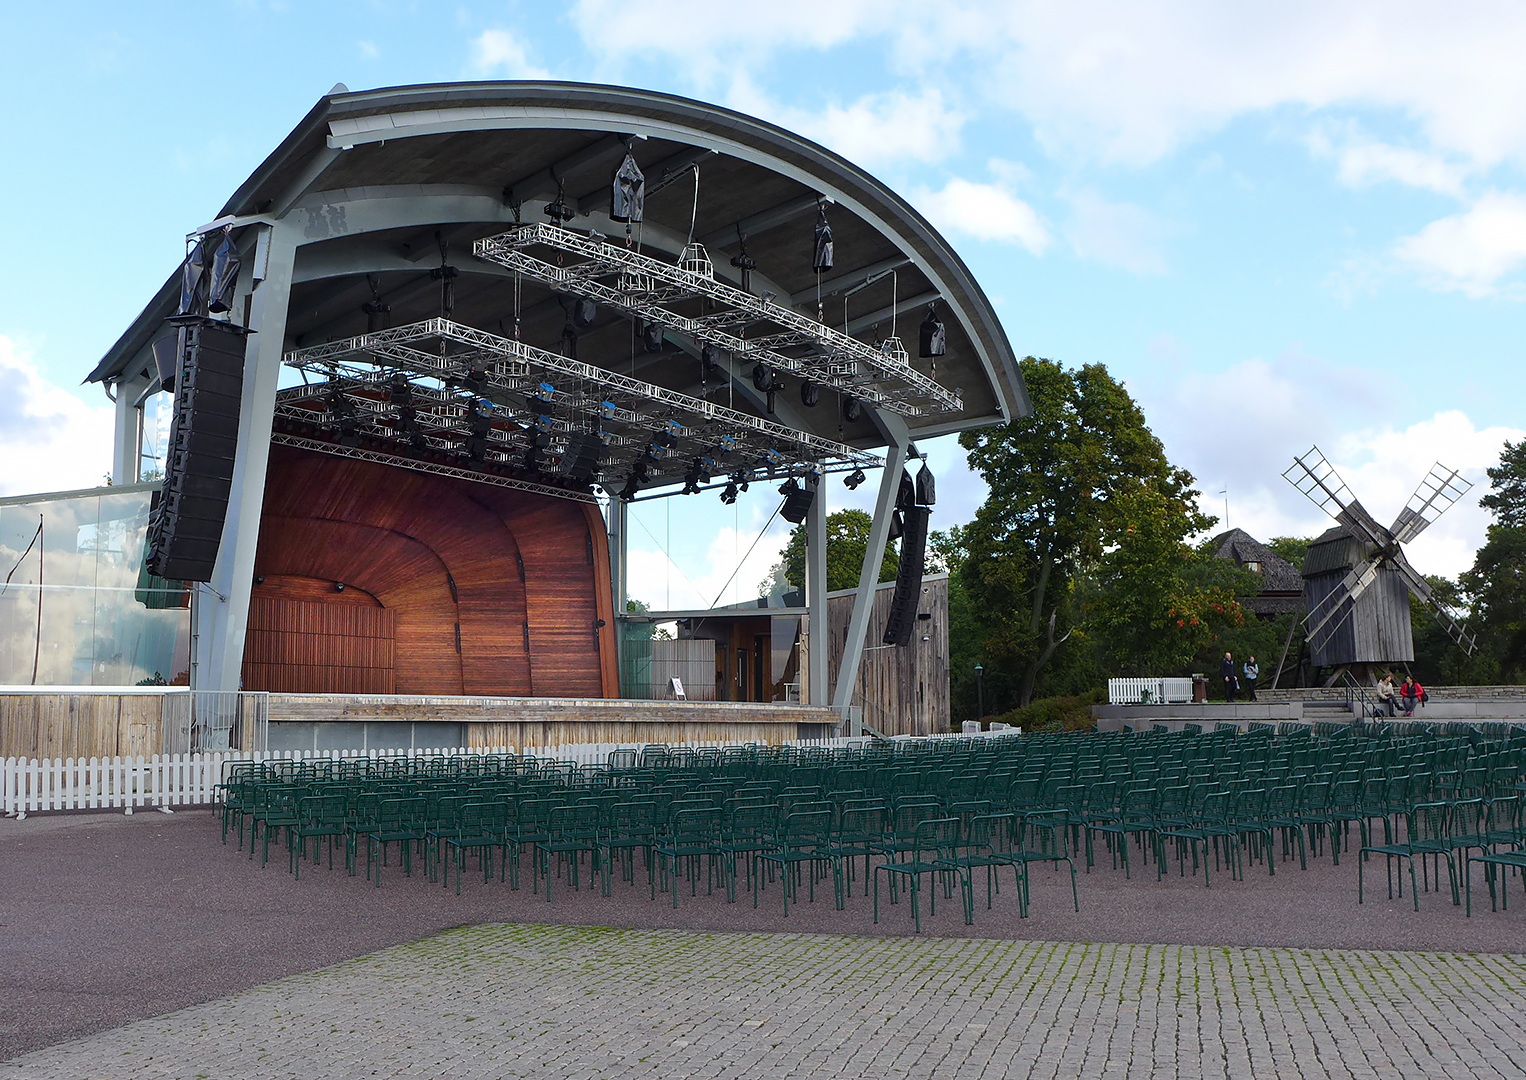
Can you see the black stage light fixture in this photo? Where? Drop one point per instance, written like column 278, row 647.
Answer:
column 810, row 394
column 853, row 479
column 852, row 410
column 821, row 251
column 710, row 363
column 763, row 378
column 376, row 309
column 584, row 313
column 225, row 265
column 400, row 391
column 933, row 338
column 651, row 337
column 729, row 493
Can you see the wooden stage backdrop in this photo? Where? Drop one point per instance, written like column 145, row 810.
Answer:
column 376, row 580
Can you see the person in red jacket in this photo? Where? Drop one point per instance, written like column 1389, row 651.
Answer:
column 1411, row 694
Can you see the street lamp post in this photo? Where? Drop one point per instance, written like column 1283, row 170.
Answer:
column 980, row 691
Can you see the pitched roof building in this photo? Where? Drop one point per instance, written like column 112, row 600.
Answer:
column 1282, row 583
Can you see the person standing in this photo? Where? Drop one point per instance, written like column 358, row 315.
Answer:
column 1251, row 671
column 1227, row 670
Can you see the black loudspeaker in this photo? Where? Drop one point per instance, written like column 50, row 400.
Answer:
column 581, row 458
column 797, row 504
column 187, row 526
column 908, row 581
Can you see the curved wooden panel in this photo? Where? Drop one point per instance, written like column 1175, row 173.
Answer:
column 445, row 555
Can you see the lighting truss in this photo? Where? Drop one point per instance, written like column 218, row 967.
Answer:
column 648, row 288
column 480, row 399
column 433, row 468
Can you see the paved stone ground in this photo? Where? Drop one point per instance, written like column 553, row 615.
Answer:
column 580, row 1002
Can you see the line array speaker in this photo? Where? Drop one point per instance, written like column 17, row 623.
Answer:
column 908, row 581
column 187, row 527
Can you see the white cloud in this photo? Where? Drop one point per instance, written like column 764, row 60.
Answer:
column 50, row 440
column 1241, row 429
column 985, row 212
column 874, row 129
column 1116, row 234
column 502, row 53
column 1471, row 251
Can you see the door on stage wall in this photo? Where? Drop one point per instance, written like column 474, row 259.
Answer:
column 300, row 647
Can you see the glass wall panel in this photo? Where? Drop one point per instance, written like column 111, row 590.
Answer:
column 79, row 609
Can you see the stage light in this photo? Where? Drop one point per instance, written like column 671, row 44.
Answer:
column 651, row 337
column 729, row 494
column 852, row 410
column 853, row 479
column 709, row 363
column 810, row 394
column 632, row 486
column 933, row 339
column 763, row 378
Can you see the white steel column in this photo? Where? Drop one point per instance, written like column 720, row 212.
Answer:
column 224, row 608
column 616, row 523
column 816, row 595
column 869, row 575
column 127, row 447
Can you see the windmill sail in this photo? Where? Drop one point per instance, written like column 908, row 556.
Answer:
column 1437, row 492
column 1323, row 486
column 1441, row 612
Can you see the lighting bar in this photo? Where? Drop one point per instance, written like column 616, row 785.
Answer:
column 645, row 287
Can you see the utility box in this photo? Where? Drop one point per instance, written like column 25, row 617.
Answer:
column 1199, row 688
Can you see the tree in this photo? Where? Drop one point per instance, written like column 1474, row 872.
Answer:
column 1056, row 479
column 1151, row 614
column 1291, row 548
column 847, row 539
column 1497, row 582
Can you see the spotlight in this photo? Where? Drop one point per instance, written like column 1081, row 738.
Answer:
column 810, row 394
column 632, row 486
column 651, row 337
column 709, row 363
column 852, row 410
column 853, row 479
column 729, row 494
column 763, row 378
column 934, row 337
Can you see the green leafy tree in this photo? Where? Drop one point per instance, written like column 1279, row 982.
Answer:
column 1056, row 482
column 1496, row 585
column 1152, row 615
column 1291, row 548
column 847, row 539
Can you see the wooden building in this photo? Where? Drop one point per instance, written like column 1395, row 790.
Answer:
column 1377, row 630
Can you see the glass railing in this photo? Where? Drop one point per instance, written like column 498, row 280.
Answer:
column 79, row 608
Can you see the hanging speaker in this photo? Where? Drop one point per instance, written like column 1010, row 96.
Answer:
column 797, row 504
column 902, row 621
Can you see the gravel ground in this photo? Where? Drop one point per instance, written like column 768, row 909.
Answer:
column 107, row 919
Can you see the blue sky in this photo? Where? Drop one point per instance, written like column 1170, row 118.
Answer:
column 1278, row 228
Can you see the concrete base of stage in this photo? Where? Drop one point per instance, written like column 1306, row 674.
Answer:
column 370, row 722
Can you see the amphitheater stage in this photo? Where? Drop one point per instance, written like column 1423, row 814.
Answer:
column 1448, row 704
column 394, row 721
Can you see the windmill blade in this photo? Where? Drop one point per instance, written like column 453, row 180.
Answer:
column 1437, row 492
column 1318, row 480
column 1441, row 612
column 1342, row 600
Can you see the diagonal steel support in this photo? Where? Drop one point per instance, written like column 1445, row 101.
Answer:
column 869, row 574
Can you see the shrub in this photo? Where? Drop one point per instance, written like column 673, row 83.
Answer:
column 1063, row 713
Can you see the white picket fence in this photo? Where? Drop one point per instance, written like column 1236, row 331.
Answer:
column 1175, row 691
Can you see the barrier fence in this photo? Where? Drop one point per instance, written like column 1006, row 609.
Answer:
column 165, row 781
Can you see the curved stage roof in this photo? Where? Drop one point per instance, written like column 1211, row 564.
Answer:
column 372, row 177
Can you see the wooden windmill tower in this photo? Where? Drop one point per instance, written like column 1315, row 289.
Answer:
column 1357, row 581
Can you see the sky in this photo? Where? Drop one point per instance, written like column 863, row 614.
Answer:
column 1280, row 226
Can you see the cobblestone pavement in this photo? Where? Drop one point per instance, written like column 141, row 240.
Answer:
column 582, row 1002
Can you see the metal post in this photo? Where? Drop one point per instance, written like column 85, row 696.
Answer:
column 617, row 521
column 869, row 575
column 127, row 447
column 980, row 693
column 816, row 594
column 225, row 602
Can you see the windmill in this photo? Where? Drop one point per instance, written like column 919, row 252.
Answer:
column 1357, row 580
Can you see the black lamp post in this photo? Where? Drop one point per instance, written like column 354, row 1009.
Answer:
column 980, row 692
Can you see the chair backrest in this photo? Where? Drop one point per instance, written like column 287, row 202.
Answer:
column 806, row 829
column 697, row 825
column 938, row 836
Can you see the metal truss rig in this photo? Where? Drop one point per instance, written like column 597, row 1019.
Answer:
column 439, row 387
column 648, row 288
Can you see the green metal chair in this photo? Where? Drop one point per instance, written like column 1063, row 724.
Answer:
column 934, row 851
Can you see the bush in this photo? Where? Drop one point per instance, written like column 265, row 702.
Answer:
column 1063, row 713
